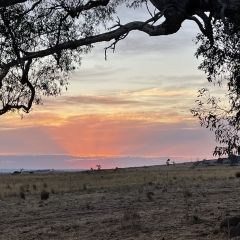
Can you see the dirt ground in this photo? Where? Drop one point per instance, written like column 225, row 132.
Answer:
column 191, row 210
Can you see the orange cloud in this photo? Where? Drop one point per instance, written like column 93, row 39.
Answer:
column 131, row 129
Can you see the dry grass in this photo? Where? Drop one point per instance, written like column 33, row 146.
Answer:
column 113, row 204
column 91, row 181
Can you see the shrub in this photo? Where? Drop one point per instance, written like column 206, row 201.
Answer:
column 85, row 186
column 22, row 195
column 44, row 185
column 187, row 193
column 44, row 194
column 237, row 174
column 34, row 187
column 150, row 195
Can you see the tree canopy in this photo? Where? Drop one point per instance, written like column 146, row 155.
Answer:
column 42, row 42
column 221, row 61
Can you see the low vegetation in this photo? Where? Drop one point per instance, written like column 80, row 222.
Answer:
column 91, row 181
column 133, row 203
column 44, row 194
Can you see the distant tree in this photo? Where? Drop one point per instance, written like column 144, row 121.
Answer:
column 233, row 159
column 98, row 167
column 168, row 162
column 220, row 161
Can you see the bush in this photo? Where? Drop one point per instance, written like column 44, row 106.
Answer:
column 44, row 194
column 84, row 186
column 22, row 195
column 237, row 174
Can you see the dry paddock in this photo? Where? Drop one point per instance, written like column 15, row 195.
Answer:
column 184, row 206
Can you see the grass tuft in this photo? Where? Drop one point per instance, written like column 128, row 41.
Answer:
column 237, row 174
column 44, row 194
column 22, row 195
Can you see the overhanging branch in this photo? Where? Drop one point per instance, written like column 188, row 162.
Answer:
column 167, row 27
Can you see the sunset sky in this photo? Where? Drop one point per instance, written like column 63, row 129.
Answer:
column 132, row 109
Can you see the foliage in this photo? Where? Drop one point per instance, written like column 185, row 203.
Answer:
column 42, row 42
column 221, row 62
column 37, row 46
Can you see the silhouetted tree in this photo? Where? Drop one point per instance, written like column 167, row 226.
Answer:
column 221, row 61
column 233, row 159
column 42, row 41
column 168, row 162
column 99, row 167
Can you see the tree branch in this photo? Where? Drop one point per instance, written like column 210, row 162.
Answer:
column 163, row 29
column 6, row 3
column 73, row 12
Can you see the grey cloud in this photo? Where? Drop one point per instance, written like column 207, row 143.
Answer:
column 105, row 100
column 96, row 74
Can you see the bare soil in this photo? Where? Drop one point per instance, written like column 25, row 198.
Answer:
column 179, row 210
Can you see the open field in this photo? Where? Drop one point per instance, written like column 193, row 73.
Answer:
column 187, row 204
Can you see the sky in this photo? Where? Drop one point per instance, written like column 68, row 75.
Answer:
column 131, row 110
